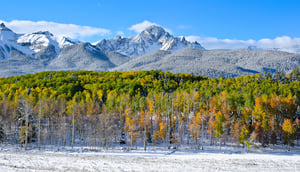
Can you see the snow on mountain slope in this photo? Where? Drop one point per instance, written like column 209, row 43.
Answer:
column 82, row 56
column 6, row 34
column 8, row 42
column 4, row 51
column 153, row 48
column 141, row 62
column 65, row 41
column 19, row 64
column 41, row 43
column 214, row 63
column 152, row 38
column 116, row 58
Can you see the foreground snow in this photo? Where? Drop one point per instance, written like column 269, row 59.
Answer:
column 147, row 161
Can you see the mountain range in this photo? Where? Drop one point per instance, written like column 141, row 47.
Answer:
column 152, row 49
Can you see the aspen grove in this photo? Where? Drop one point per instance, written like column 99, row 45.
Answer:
column 134, row 109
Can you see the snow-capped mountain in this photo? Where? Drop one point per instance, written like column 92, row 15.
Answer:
column 154, row 48
column 43, row 44
column 8, row 42
column 152, row 38
column 6, row 34
column 28, row 53
column 40, row 45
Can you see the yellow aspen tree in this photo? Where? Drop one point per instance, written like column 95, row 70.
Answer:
column 289, row 130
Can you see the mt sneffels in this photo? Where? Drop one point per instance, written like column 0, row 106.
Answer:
column 152, row 49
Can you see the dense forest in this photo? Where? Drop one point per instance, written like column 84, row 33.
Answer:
column 142, row 108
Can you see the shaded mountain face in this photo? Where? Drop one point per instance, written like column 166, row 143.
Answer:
column 152, row 49
column 82, row 56
column 152, row 38
column 8, row 42
column 19, row 64
column 6, row 34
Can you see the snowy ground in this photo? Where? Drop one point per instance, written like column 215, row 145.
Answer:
column 137, row 160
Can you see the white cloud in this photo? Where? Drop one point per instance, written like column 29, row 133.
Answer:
column 58, row 29
column 283, row 43
column 142, row 26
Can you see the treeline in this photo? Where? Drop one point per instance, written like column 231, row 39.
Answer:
column 102, row 109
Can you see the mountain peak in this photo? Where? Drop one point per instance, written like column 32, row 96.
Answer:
column 66, row 41
column 154, row 32
column 3, row 27
column 152, row 38
column 43, row 33
column 154, row 28
column 6, row 34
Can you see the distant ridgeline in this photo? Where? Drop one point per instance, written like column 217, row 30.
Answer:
column 102, row 109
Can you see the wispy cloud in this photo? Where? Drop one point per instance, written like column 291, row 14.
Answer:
column 142, row 26
column 283, row 43
column 58, row 29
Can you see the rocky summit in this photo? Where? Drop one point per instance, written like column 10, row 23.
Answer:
column 152, row 38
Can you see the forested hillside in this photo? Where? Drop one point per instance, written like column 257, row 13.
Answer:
column 104, row 109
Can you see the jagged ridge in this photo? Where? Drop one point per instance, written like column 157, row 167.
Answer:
column 152, row 38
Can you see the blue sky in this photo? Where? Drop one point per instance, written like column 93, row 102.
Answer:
column 221, row 19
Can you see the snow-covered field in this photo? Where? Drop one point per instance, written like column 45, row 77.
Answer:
column 147, row 161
